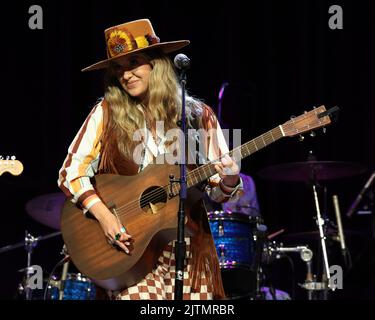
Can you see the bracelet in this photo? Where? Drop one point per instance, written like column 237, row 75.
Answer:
column 233, row 190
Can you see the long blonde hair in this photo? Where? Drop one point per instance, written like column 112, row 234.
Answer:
column 164, row 102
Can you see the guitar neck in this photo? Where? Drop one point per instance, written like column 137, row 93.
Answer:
column 207, row 170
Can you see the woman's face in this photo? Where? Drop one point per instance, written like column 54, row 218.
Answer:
column 133, row 72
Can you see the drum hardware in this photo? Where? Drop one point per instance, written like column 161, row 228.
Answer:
column 57, row 284
column 64, row 271
column 275, row 234
column 70, row 286
column 29, row 243
column 46, row 209
column 275, row 251
column 313, row 172
column 260, row 236
column 221, row 231
column 221, row 253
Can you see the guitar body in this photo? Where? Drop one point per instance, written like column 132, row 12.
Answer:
column 151, row 228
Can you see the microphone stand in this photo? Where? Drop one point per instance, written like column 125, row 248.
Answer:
column 321, row 226
column 181, row 244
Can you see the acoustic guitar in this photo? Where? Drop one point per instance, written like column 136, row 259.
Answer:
column 147, row 205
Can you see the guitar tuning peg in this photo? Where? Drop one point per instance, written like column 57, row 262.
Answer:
column 305, row 112
column 324, row 130
column 13, row 157
column 301, row 138
column 292, row 117
column 312, row 134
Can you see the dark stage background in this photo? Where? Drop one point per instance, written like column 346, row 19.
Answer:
column 280, row 58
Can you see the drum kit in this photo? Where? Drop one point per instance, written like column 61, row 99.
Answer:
column 46, row 209
column 241, row 238
column 244, row 247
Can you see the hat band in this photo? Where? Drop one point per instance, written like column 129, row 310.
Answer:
column 122, row 41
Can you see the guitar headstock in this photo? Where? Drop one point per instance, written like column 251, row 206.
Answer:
column 306, row 122
column 11, row 165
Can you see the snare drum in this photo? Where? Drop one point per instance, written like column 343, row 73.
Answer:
column 235, row 245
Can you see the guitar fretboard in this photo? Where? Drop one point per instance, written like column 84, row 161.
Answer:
column 208, row 170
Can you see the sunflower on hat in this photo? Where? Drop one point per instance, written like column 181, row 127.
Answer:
column 119, row 42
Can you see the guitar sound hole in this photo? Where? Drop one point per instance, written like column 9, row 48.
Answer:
column 153, row 198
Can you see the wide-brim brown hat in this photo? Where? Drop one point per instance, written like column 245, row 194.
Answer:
column 132, row 37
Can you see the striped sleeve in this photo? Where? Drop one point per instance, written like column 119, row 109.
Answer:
column 82, row 160
column 217, row 146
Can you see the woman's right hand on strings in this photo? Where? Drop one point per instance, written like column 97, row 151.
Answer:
column 111, row 226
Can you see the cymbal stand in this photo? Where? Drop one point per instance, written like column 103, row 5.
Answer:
column 64, row 272
column 29, row 243
column 321, row 225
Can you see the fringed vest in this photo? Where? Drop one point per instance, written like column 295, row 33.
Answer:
column 204, row 257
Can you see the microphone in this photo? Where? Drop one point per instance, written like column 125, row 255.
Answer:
column 344, row 251
column 182, row 62
column 339, row 223
column 359, row 197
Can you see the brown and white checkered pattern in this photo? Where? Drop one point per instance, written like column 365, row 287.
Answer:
column 159, row 284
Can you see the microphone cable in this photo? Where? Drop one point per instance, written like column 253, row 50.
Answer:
column 62, row 261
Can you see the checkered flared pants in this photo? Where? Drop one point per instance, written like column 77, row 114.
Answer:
column 159, row 283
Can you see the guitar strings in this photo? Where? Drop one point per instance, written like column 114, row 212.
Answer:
column 154, row 195
column 157, row 193
column 129, row 207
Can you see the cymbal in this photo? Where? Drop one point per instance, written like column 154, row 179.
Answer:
column 46, row 209
column 314, row 235
column 310, row 170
